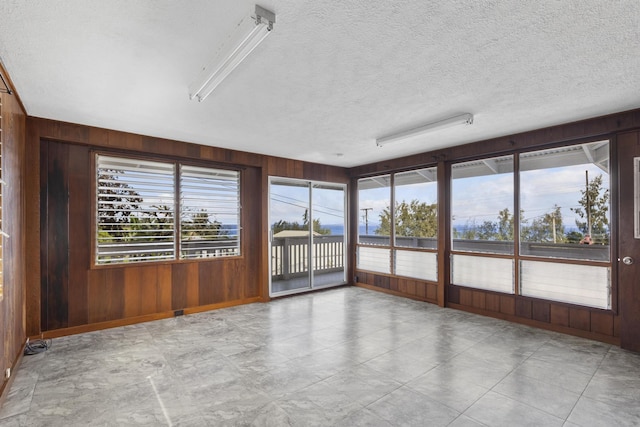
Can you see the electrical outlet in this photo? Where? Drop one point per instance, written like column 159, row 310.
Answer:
column 7, row 374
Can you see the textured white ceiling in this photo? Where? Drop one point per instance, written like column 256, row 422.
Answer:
column 332, row 77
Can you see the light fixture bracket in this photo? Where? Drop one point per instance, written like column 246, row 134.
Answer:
column 248, row 35
column 267, row 15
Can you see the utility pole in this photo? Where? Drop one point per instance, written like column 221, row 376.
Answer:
column 588, row 203
column 366, row 219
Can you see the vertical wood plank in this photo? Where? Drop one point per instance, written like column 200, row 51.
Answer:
column 432, row 291
column 411, row 287
column 236, row 275
column 507, row 304
column 393, row 284
column 580, row 319
column 179, row 278
column 541, row 311
column 80, row 203
column 106, row 295
column 132, row 291
column 149, row 289
column 43, row 235
column 206, row 284
column 479, row 299
column 492, row 302
column 466, row 297
column 559, row 315
column 163, row 301
column 56, row 212
column 402, row 285
column 602, row 323
column 421, row 289
column 523, row 308
column 193, row 285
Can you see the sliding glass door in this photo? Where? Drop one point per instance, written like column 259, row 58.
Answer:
column 307, row 232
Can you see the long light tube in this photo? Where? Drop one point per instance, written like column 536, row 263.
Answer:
column 463, row 119
column 248, row 35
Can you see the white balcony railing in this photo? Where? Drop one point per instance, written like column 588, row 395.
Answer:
column 290, row 256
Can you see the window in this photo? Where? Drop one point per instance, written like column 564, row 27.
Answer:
column 416, row 213
column 482, row 206
column 409, row 231
column 562, row 225
column 564, row 201
column 482, row 198
column 209, row 212
column 374, row 201
column 137, row 209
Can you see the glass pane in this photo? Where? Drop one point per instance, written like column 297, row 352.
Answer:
column 328, row 208
column 416, row 199
column 576, row 284
column 135, row 210
column 564, row 200
column 494, row 274
column 417, row 264
column 482, row 205
column 289, row 216
column 374, row 201
column 209, row 212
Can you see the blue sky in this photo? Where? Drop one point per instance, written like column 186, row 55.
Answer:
column 289, row 203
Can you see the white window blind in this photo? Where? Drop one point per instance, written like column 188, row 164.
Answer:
column 420, row 265
column 374, row 259
column 136, row 210
column 209, row 212
column 586, row 285
column 493, row 274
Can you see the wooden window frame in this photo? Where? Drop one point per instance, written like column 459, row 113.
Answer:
column 176, row 161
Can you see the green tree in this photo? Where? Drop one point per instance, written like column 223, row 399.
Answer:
column 594, row 208
column 545, row 228
column 151, row 225
column 505, row 225
column 413, row 219
column 198, row 226
column 282, row 225
column 488, row 230
column 116, row 203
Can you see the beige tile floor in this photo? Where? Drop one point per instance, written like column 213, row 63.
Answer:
column 342, row 357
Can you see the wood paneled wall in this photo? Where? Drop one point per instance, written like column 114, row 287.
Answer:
column 402, row 286
column 12, row 304
column 603, row 325
column 66, row 294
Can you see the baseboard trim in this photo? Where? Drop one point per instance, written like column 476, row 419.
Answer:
column 98, row 326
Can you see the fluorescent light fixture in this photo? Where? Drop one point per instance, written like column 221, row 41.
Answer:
column 463, row 119
column 249, row 33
